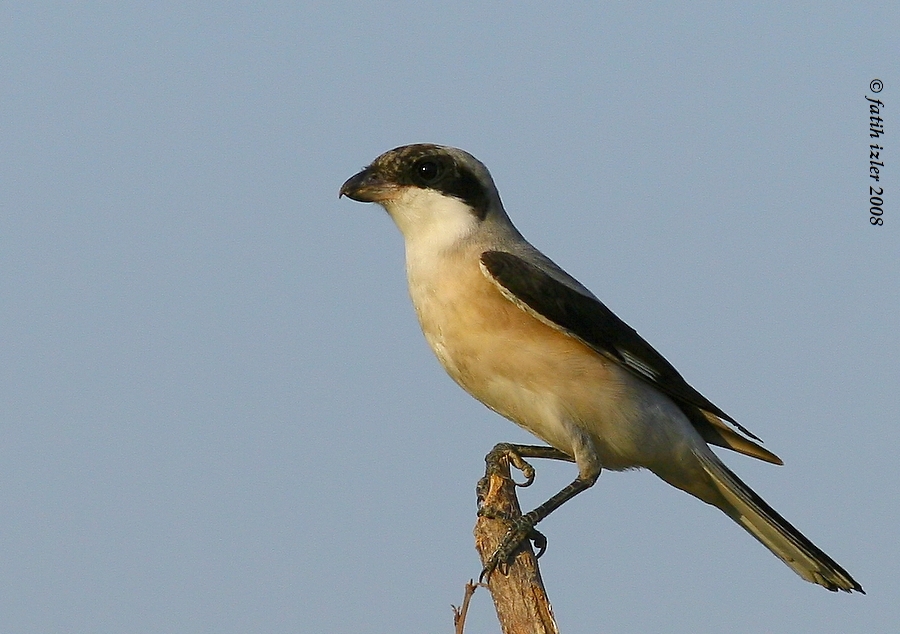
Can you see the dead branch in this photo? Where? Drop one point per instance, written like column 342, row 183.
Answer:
column 519, row 596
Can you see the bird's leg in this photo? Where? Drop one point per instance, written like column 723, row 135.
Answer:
column 522, row 527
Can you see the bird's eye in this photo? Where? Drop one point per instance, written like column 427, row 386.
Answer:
column 428, row 170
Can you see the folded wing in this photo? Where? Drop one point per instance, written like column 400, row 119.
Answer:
column 587, row 319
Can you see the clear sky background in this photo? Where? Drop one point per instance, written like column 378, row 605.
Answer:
column 217, row 412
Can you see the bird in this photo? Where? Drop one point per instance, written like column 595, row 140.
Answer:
column 533, row 344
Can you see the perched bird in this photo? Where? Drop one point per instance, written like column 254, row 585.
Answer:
column 534, row 345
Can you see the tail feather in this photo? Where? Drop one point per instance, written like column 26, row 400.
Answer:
column 775, row 532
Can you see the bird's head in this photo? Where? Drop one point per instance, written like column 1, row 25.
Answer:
column 428, row 190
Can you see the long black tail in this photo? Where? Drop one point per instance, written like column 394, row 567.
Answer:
column 775, row 532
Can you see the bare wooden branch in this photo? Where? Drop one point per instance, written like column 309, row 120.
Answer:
column 519, row 596
column 459, row 613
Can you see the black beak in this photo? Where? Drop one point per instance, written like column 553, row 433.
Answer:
column 367, row 187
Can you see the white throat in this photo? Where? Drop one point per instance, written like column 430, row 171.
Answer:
column 431, row 221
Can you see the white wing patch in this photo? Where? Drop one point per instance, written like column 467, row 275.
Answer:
column 636, row 364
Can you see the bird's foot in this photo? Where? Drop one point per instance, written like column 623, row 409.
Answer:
column 515, row 459
column 521, row 530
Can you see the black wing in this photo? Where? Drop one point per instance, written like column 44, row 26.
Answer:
column 587, row 319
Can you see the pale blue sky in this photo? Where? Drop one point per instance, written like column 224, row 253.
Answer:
column 217, row 411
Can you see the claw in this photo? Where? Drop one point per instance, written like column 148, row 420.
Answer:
column 522, row 465
column 493, row 514
column 521, row 529
column 481, row 490
column 540, row 542
column 512, row 455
